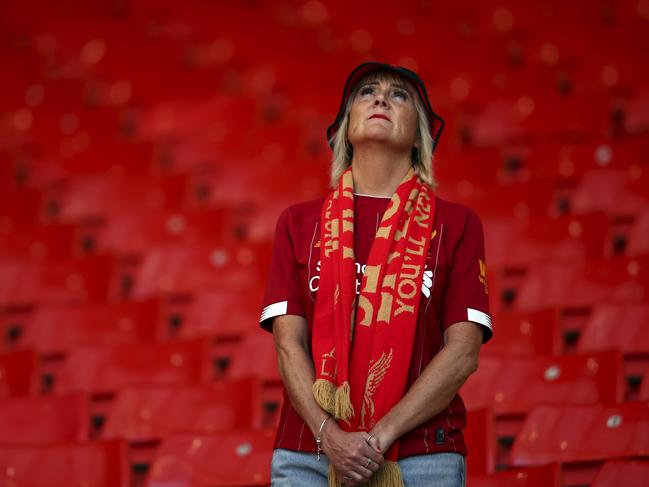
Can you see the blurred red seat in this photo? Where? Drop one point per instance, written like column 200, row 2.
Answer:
column 643, row 394
column 514, row 385
column 566, row 239
column 18, row 373
column 48, row 419
column 617, row 326
column 636, row 113
column 243, row 460
column 181, row 269
column 255, row 356
column 607, row 190
column 571, row 239
column 542, row 476
column 40, row 243
column 153, row 412
column 627, row 473
column 584, row 436
column 638, row 238
column 56, row 329
column 553, row 284
column 623, row 327
column 69, row 281
column 97, row 464
column 138, row 230
column 526, row 333
column 102, row 370
column 569, row 160
column 100, row 196
column 220, row 312
column 480, row 437
column 20, row 207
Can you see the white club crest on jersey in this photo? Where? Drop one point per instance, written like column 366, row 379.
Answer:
column 427, row 283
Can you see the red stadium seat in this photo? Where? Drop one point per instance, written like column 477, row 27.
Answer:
column 519, row 203
column 56, row 329
column 638, row 238
column 20, row 207
column 617, row 326
column 513, row 385
column 18, row 373
column 636, row 113
column 136, row 231
column 223, row 312
column 243, row 460
column 643, row 394
column 104, row 370
column 623, row 472
column 584, row 115
column 571, row 160
column 571, row 239
column 38, row 420
column 526, row 333
column 40, row 243
column 61, row 282
column 88, row 197
column 583, row 435
column 256, row 357
column 480, row 437
column 97, row 464
column 542, row 476
column 153, row 412
column 624, row 279
column 183, row 269
column 607, row 190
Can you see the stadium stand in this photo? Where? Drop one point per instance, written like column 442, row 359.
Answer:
column 147, row 148
column 101, row 464
column 189, row 459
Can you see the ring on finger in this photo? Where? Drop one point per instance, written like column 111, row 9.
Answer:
column 369, row 461
column 367, row 440
column 347, row 477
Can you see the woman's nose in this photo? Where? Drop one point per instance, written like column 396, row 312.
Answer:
column 380, row 99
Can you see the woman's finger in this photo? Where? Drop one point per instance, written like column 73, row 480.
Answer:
column 371, row 453
column 375, row 445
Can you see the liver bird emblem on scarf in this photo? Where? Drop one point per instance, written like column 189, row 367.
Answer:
column 374, row 377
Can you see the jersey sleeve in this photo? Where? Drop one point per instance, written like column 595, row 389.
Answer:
column 466, row 297
column 282, row 294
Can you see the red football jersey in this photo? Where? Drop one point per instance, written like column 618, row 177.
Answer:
column 453, row 289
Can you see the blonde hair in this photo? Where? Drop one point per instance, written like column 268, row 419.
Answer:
column 422, row 156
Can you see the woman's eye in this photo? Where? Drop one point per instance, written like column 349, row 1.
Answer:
column 401, row 94
column 367, row 90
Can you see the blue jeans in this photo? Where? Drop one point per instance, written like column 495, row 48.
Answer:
column 291, row 468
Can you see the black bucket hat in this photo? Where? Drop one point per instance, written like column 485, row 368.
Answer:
column 435, row 121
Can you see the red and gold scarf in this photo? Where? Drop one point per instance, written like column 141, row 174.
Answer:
column 361, row 350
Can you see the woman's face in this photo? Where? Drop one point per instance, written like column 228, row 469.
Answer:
column 383, row 111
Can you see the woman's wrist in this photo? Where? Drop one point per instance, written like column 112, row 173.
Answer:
column 316, row 424
column 384, row 435
column 318, row 438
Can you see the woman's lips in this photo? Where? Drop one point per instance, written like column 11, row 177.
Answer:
column 379, row 115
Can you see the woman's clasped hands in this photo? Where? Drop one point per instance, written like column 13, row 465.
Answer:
column 356, row 456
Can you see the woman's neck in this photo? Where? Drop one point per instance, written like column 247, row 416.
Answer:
column 379, row 173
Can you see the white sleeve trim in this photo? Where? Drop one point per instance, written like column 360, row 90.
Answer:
column 275, row 309
column 478, row 317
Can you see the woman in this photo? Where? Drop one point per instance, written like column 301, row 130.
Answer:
column 377, row 300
